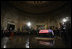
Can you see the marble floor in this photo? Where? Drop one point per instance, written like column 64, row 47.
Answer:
column 28, row 41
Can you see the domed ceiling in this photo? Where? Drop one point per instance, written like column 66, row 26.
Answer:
column 36, row 7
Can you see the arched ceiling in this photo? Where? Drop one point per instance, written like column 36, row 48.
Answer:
column 36, row 7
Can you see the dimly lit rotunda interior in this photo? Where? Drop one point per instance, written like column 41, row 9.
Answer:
column 35, row 24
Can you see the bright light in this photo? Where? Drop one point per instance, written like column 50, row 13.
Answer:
column 4, row 46
column 29, row 24
column 27, row 43
column 64, row 20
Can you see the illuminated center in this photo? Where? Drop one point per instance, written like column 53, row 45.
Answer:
column 29, row 24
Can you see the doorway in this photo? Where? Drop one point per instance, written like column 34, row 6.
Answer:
column 11, row 27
